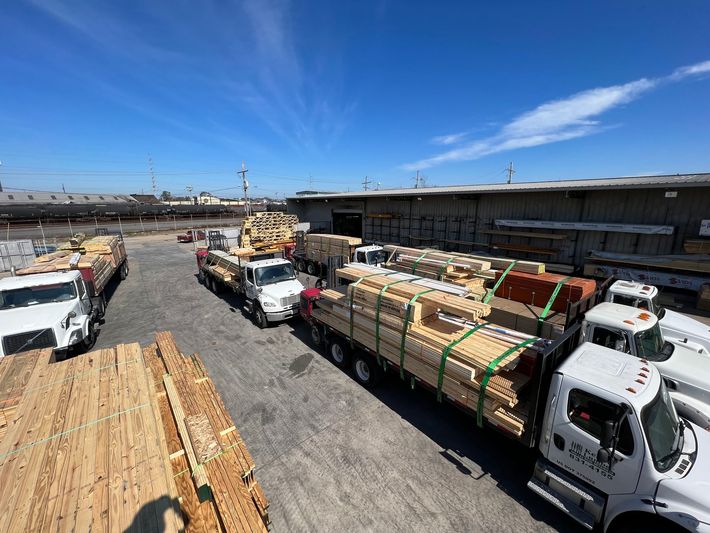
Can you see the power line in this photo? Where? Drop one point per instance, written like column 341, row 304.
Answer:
column 510, row 172
column 365, row 183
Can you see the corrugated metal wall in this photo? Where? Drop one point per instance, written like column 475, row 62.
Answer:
column 459, row 222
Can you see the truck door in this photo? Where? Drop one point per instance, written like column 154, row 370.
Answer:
column 611, row 338
column 249, row 283
column 84, row 299
column 576, row 431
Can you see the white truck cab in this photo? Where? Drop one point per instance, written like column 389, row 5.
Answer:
column 272, row 290
column 615, row 452
column 636, row 331
column 45, row 310
column 673, row 325
column 372, row 255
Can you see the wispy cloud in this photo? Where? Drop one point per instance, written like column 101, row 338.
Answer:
column 452, row 138
column 558, row 120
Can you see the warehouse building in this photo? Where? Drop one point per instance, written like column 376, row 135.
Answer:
column 551, row 221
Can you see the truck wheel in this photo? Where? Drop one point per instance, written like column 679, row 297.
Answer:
column 217, row 286
column 366, row 371
column 316, row 337
column 339, row 353
column 88, row 342
column 301, row 265
column 200, row 276
column 311, row 269
column 260, row 318
column 101, row 306
column 123, row 273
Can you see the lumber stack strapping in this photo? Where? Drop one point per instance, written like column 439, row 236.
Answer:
column 320, row 246
column 85, row 448
column 428, row 335
column 267, row 227
column 93, row 443
column 536, row 289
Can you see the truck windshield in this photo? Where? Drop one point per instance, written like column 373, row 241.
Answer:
column 274, row 274
column 376, row 257
column 650, row 345
column 663, row 429
column 42, row 294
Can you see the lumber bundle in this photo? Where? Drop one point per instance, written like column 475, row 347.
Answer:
column 121, row 439
column 100, row 266
column 697, row 246
column 110, row 247
column 526, row 318
column 267, row 227
column 502, row 263
column 436, row 321
column 444, row 266
column 321, row 246
column 84, row 449
column 73, row 243
column 537, row 289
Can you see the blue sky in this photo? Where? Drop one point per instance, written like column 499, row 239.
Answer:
column 321, row 94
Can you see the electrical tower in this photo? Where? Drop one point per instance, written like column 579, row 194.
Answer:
column 245, row 186
column 366, row 183
column 152, row 176
column 510, row 171
column 419, row 181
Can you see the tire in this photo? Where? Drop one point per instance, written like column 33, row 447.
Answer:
column 217, row 286
column 311, row 269
column 339, row 353
column 101, row 306
column 366, row 371
column 123, row 273
column 301, row 265
column 260, row 318
column 316, row 337
column 201, row 277
column 88, row 342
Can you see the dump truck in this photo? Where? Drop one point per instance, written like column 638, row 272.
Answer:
column 312, row 251
column 612, row 451
column 58, row 303
column 673, row 325
column 268, row 283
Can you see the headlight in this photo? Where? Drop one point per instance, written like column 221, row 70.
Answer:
column 267, row 303
column 75, row 337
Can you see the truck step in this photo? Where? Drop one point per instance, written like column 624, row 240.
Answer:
column 548, row 472
column 566, row 506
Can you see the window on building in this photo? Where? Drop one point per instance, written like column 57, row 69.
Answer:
column 86, row 197
column 115, row 197
column 589, row 412
column 10, row 197
column 101, row 197
column 30, row 197
column 53, row 197
column 70, row 197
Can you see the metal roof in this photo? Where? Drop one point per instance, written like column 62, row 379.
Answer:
column 48, row 197
column 666, row 181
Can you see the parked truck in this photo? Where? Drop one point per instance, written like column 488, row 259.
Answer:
column 312, row 250
column 267, row 282
column 612, row 450
column 673, row 325
column 60, row 309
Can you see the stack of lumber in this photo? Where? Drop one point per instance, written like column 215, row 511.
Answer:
column 502, row 263
column 110, row 247
column 537, row 289
column 453, row 268
column 697, row 246
column 121, row 439
column 226, row 266
column 260, row 248
column 321, row 246
column 436, row 320
column 73, row 243
column 525, row 318
column 267, row 227
column 99, row 265
column 84, row 449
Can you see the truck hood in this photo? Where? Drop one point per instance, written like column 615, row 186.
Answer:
column 688, row 497
column 675, row 322
column 21, row 319
column 687, row 365
column 283, row 289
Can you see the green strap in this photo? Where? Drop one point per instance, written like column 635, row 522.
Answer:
column 383, row 290
column 489, row 372
column 405, row 328
column 443, row 267
column 352, row 301
column 447, row 351
column 500, row 280
column 414, row 266
column 541, row 318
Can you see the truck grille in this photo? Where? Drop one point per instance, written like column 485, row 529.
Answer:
column 290, row 300
column 41, row 338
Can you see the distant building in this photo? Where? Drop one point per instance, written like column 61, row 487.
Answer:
column 35, row 198
column 146, row 199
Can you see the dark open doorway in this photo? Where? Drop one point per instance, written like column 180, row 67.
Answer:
column 349, row 224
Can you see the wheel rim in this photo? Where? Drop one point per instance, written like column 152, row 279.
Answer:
column 363, row 371
column 337, row 352
column 311, row 269
column 315, row 335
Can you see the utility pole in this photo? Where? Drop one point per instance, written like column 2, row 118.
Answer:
column 366, row 183
column 63, row 189
column 310, row 182
column 152, row 176
column 245, row 186
column 510, row 172
column 0, row 181
column 189, row 193
column 418, row 181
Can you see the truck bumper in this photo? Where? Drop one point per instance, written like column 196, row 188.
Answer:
column 282, row 315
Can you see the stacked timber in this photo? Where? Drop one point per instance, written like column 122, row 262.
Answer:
column 502, row 263
column 537, row 289
column 527, row 318
column 321, row 246
column 109, row 246
column 436, row 323
column 697, row 246
column 267, row 227
column 453, row 268
column 100, row 266
column 73, row 243
column 121, row 439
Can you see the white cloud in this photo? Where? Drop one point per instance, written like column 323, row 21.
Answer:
column 452, row 138
column 555, row 121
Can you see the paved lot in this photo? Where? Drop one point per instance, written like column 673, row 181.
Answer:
column 331, row 455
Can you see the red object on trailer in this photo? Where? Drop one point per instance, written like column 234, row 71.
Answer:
column 308, row 296
column 537, row 289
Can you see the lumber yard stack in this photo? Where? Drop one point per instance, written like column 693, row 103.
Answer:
column 438, row 337
column 62, row 261
column 124, row 438
column 267, row 227
column 109, row 247
column 459, row 269
column 543, row 290
column 320, row 246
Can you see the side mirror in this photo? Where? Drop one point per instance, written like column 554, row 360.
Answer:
column 606, row 440
column 603, row 455
column 620, row 345
column 71, row 315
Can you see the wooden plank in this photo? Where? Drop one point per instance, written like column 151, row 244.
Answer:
column 202, row 437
